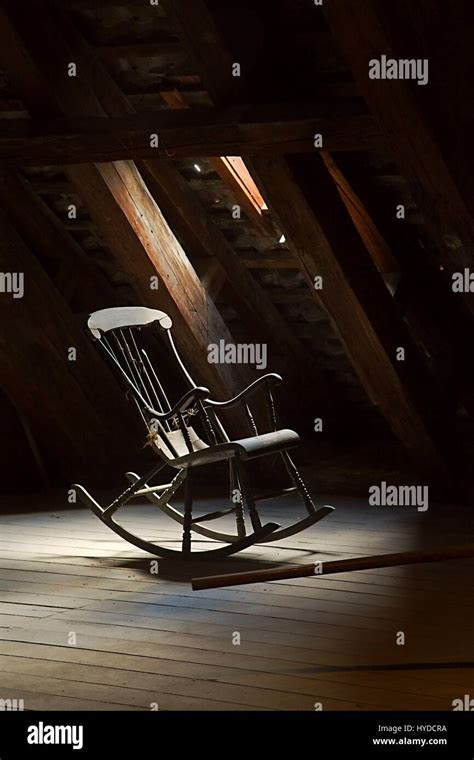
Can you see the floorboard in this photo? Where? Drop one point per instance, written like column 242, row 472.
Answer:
column 85, row 624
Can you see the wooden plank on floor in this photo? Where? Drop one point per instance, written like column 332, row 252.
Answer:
column 277, row 596
column 328, row 640
column 112, row 697
column 282, row 660
column 245, row 688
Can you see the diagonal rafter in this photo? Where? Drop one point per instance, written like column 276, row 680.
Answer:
column 38, row 51
column 173, row 195
column 58, row 394
column 75, row 274
column 360, row 30
column 327, row 244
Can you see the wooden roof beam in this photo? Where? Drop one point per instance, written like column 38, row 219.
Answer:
column 72, row 406
column 380, row 251
column 128, row 237
column 197, row 30
column 186, row 215
column 234, row 173
column 138, row 235
column 201, row 235
column 360, row 32
column 176, row 134
column 327, row 244
column 78, row 278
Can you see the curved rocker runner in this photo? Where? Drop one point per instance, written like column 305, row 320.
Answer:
column 183, row 446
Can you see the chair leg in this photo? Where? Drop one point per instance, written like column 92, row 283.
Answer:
column 129, row 492
column 239, row 506
column 188, row 512
column 298, row 481
column 247, row 499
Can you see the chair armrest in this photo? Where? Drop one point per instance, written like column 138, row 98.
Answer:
column 189, row 398
column 272, row 378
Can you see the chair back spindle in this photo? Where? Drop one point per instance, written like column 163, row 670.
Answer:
column 118, row 333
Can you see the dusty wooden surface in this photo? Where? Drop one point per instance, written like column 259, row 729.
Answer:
column 143, row 639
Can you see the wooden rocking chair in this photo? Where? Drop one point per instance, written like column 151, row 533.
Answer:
column 178, row 445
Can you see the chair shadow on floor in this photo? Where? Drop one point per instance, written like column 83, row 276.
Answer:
column 182, row 571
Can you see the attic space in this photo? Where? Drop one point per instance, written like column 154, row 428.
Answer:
column 237, row 329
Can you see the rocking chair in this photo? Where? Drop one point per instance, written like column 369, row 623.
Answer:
column 178, row 445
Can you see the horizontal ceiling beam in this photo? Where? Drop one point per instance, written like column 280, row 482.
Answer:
column 175, row 134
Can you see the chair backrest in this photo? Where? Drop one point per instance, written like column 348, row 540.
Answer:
column 117, row 331
column 125, row 316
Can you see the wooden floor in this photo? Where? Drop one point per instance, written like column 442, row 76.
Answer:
column 85, row 625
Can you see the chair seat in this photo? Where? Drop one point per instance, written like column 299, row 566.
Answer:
column 246, row 448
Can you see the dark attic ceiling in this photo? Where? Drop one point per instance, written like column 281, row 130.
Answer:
column 329, row 211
